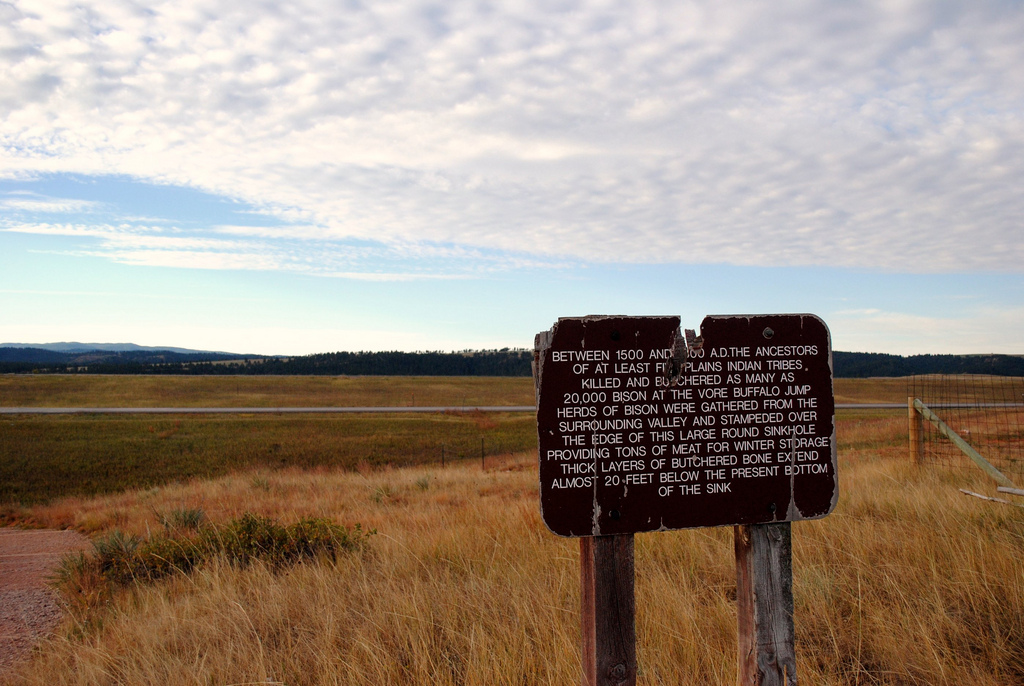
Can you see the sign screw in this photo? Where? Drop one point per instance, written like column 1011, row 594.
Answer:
column 615, row 335
column 615, row 514
column 768, row 333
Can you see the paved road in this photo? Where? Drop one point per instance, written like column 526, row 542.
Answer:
column 256, row 410
column 333, row 410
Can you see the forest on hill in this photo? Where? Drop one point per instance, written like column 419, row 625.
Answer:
column 389, row 363
column 505, row 362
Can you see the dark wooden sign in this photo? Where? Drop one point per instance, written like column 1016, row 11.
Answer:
column 644, row 429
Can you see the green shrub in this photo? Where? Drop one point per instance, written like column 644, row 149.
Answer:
column 313, row 536
column 119, row 559
column 184, row 518
column 251, row 537
column 161, row 556
column 116, row 557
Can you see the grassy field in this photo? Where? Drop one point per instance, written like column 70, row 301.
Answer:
column 43, row 457
column 908, row 582
column 45, row 390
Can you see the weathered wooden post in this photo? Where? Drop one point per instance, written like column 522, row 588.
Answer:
column 764, row 605
column 642, row 429
column 607, row 615
column 916, row 425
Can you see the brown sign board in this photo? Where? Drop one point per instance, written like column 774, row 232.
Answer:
column 643, row 429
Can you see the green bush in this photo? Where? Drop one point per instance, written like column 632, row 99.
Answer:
column 313, row 536
column 161, row 556
column 116, row 557
column 119, row 559
column 251, row 537
column 184, row 518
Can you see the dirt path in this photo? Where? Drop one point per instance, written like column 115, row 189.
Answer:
column 28, row 609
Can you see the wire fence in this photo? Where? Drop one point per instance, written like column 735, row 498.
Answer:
column 455, row 447
column 986, row 411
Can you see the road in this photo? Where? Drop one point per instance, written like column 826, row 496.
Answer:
column 333, row 410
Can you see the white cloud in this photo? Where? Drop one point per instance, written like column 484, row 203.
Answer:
column 71, row 230
column 877, row 135
column 113, row 294
column 32, row 202
column 298, row 249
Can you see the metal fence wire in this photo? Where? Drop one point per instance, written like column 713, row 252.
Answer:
column 986, row 411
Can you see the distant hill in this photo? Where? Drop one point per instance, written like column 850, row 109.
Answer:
column 114, row 358
column 74, row 347
column 130, row 359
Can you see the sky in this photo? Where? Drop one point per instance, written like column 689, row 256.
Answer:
column 291, row 178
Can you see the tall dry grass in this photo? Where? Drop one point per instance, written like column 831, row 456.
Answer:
column 908, row 582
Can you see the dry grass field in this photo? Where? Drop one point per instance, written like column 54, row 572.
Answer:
column 908, row 582
column 42, row 457
column 85, row 390
column 90, row 390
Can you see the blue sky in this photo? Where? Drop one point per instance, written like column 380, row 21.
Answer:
column 317, row 176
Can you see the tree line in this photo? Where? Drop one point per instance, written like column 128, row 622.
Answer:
column 505, row 362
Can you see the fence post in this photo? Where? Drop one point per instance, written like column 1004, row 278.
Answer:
column 608, row 610
column 764, row 605
column 482, row 467
column 916, row 424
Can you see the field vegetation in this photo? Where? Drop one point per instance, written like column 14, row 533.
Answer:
column 908, row 582
column 43, row 457
column 96, row 390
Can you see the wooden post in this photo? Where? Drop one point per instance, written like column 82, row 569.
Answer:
column 764, row 599
column 482, row 467
column 916, row 425
column 608, row 609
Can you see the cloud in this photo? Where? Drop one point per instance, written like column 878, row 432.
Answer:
column 871, row 135
column 121, row 295
column 297, row 249
column 35, row 203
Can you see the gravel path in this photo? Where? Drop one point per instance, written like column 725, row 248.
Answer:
column 28, row 608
